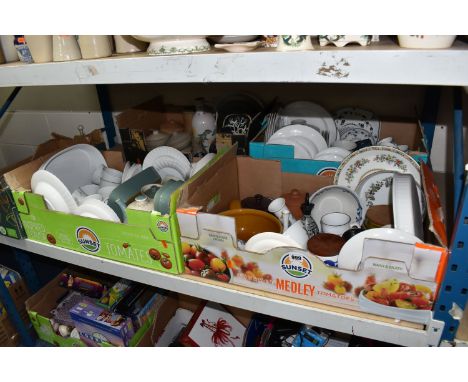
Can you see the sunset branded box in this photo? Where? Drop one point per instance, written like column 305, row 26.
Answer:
column 410, row 273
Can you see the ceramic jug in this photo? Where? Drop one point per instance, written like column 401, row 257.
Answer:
column 95, row 46
column 203, row 128
column 65, row 48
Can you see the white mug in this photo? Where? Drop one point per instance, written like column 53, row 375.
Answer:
column 336, row 223
column 129, row 44
column 65, row 48
column 95, row 46
column 297, row 233
column 40, row 47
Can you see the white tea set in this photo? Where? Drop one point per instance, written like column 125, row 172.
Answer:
column 78, row 181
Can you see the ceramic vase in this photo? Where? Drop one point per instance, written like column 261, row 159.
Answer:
column 203, row 128
column 40, row 47
column 65, row 48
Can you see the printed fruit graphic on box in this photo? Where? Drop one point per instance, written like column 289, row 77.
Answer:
column 392, row 292
column 336, row 284
column 201, row 262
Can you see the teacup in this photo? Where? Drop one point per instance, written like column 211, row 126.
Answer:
column 297, row 232
column 89, row 189
column 336, row 223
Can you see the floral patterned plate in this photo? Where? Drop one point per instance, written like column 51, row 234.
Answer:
column 371, row 159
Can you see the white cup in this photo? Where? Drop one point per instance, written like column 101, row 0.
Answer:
column 347, row 145
column 336, row 223
column 90, row 189
column 65, row 48
column 297, row 233
column 40, row 47
column 281, row 211
column 129, row 44
column 105, row 192
column 98, row 174
column 79, row 195
column 95, row 46
column 112, row 175
column 105, row 184
column 93, row 196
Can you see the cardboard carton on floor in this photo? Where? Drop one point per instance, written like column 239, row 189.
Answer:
column 289, row 271
column 404, row 132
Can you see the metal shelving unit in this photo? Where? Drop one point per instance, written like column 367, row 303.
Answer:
column 380, row 63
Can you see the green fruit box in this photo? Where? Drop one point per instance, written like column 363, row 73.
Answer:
column 148, row 239
column 391, row 279
column 40, row 305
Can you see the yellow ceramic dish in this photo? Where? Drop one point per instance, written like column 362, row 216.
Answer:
column 249, row 222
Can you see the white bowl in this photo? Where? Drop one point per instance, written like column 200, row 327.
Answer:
column 170, row 44
column 426, row 41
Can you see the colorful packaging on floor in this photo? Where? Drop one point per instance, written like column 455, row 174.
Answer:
column 97, row 325
column 115, row 294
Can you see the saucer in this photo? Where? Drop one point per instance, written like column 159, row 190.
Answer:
column 96, row 209
column 266, row 241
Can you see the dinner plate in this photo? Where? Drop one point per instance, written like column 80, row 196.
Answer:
column 352, row 120
column 361, row 163
column 313, row 114
column 351, row 253
column 301, row 131
column 301, row 150
column 75, row 165
column 406, row 208
column 55, row 193
column 96, row 209
column 337, row 199
column 196, row 167
column 169, row 162
column 265, row 241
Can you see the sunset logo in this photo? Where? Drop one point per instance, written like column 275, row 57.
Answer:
column 296, row 265
column 88, row 239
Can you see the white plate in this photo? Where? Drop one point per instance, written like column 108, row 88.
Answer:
column 169, row 161
column 353, row 118
column 362, row 162
column 301, row 151
column 239, row 47
column 76, row 165
column 265, row 241
column 313, row 114
column 412, row 315
column 93, row 208
column 406, row 211
column 351, row 253
column 54, row 192
column 201, row 163
column 336, row 154
column 329, row 157
column 301, row 131
column 337, row 199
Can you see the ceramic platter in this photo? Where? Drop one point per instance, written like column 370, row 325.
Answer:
column 96, row 209
column 406, row 210
column 312, row 114
column 265, row 241
column 239, row 47
column 372, row 159
column 351, row 253
column 355, row 124
column 54, row 192
column 337, row 199
column 303, row 148
column 75, row 165
column 196, row 167
column 170, row 163
column 306, row 134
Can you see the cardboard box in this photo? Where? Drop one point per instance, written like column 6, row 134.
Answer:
column 140, row 241
column 289, row 271
column 40, row 305
column 140, row 121
column 404, row 132
column 18, row 290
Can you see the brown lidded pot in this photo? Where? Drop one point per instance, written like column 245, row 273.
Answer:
column 378, row 216
column 294, row 200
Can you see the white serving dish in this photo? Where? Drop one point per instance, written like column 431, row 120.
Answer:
column 75, row 165
column 406, row 206
column 350, row 255
column 337, row 199
column 172, row 44
column 426, row 41
column 313, row 114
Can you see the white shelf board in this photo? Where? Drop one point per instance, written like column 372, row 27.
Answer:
column 356, row 323
column 380, row 63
